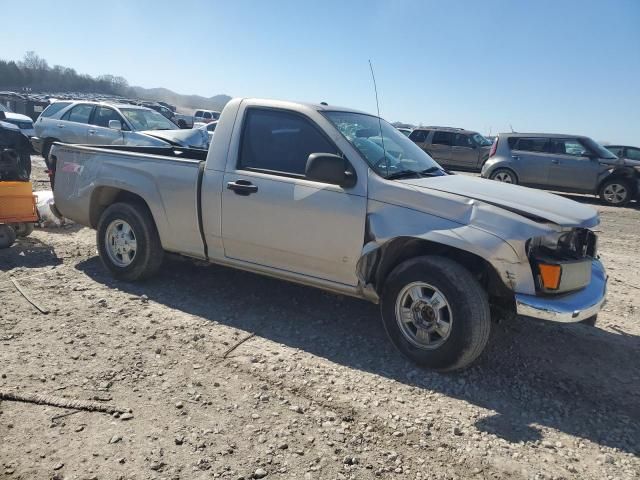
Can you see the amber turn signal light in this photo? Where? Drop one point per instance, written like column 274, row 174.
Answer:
column 550, row 276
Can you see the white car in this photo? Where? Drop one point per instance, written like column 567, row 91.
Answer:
column 24, row 123
column 207, row 128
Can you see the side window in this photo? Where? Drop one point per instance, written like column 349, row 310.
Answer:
column 54, row 108
column 102, row 116
column 633, row 153
column 569, row 146
column 215, row 115
column 198, row 113
column 419, row 135
column 79, row 113
column 617, row 151
column 207, row 115
column 538, row 145
column 463, row 140
column 280, row 141
column 443, row 138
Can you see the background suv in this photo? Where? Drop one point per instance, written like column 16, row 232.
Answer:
column 100, row 123
column 455, row 148
column 631, row 155
column 567, row 163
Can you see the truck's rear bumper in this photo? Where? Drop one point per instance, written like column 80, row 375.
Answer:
column 571, row 307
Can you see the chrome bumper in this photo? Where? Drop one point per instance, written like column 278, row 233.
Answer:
column 571, row 307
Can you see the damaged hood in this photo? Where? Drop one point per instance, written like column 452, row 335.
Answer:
column 533, row 204
column 184, row 137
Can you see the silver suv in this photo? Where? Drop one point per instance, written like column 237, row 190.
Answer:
column 566, row 163
column 101, row 123
column 454, row 148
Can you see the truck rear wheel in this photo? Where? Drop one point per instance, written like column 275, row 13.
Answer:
column 128, row 241
column 23, row 229
column 436, row 313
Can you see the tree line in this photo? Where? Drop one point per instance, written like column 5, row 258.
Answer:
column 34, row 73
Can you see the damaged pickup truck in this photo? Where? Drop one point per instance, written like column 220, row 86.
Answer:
column 340, row 200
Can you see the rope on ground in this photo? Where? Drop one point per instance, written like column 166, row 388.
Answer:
column 29, row 299
column 60, row 402
column 237, row 344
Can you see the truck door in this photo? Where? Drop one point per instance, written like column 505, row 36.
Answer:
column 273, row 216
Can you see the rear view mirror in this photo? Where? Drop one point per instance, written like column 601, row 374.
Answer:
column 328, row 168
column 115, row 124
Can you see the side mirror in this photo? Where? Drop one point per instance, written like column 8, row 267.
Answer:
column 115, row 124
column 329, row 168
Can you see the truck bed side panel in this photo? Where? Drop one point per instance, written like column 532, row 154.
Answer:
column 167, row 185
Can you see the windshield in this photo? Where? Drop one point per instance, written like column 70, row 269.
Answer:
column 399, row 156
column 480, row 140
column 142, row 119
column 598, row 149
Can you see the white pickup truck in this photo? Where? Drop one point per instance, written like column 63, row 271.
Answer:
column 340, row 200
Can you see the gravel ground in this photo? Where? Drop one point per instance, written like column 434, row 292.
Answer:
column 316, row 393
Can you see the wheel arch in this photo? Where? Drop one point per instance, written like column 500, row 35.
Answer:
column 380, row 263
column 104, row 196
column 626, row 173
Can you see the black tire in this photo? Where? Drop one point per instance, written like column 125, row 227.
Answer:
column 23, row 229
column 7, row 236
column 149, row 253
column 591, row 321
column 611, row 198
column 497, row 173
column 470, row 315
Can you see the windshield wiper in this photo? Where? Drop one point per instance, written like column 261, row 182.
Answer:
column 429, row 172
column 403, row 174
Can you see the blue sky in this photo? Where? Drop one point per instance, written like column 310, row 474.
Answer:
column 570, row 66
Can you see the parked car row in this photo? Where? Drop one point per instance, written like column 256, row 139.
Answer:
column 104, row 123
column 565, row 163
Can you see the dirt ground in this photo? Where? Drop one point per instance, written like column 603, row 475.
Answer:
column 317, row 393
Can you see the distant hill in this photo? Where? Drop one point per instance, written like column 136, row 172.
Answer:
column 186, row 103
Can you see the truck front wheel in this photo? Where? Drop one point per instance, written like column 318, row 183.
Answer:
column 128, row 242
column 436, row 313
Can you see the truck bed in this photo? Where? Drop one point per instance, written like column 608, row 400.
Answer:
column 166, row 178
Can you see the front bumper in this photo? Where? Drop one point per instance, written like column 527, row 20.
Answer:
column 570, row 307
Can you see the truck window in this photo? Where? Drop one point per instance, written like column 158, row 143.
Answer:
column 198, row 114
column 207, row 115
column 280, row 141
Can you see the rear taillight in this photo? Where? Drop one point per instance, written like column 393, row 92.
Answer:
column 494, row 147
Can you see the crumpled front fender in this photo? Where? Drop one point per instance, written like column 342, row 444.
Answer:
column 387, row 222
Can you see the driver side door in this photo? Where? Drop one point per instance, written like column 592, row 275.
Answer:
column 272, row 215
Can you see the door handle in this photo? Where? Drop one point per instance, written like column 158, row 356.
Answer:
column 242, row 187
column 60, row 125
column 555, row 161
column 515, row 157
column 92, row 131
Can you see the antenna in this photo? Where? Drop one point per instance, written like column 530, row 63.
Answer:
column 511, row 127
column 375, row 89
